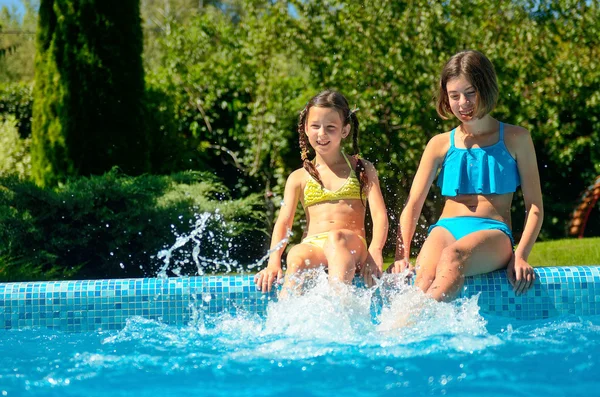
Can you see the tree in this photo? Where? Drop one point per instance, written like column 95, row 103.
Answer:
column 17, row 43
column 237, row 84
column 88, row 95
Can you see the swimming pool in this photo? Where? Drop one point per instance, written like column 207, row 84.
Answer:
column 218, row 336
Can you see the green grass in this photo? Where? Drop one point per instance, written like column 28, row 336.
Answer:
column 566, row 252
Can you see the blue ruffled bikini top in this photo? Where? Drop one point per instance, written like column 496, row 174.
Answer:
column 485, row 170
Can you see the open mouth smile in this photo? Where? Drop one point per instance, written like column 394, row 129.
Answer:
column 467, row 113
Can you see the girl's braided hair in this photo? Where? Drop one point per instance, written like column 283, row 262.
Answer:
column 335, row 100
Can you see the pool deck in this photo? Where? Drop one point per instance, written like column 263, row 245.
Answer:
column 90, row 305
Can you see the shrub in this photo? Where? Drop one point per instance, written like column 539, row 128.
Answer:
column 16, row 100
column 14, row 151
column 113, row 226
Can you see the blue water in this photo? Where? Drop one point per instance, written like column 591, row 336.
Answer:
column 320, row 344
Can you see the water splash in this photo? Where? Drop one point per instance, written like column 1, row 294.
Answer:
column 219, row 247
column 383, row 315
column 220, row 258
column 196, row 238
column 327, row 319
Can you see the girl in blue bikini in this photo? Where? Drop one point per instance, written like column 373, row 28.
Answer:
column 333, row 189
column 482, row 163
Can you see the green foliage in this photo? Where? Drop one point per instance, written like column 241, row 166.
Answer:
column 237, row 84
column 17, row 42
column 226, row 79
column 392, row 72
column 14, row 269
column 88, row 227
column 169, row 147
column 88, row 107
column 14, row 151
column 16, row 100
column 235, row 93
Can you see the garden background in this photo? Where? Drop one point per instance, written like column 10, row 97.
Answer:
column 122, row 122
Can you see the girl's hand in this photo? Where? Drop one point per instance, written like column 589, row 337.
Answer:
column 520, row 274
column 265, row 278
column 400, row 266
column 372, row 267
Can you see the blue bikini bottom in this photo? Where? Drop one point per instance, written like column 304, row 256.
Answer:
column 460, row 226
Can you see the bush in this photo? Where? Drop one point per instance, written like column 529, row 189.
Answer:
column 16, row 100
column 112, row 226
column 14, row 151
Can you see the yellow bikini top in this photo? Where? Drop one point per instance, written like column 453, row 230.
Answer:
column 314, row 193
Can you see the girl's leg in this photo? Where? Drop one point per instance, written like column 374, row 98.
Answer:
column 429, row 256
column 300, row 258
column 344, row 251
column 476, row 253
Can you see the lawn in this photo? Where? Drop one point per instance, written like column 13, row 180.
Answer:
column 567, row 252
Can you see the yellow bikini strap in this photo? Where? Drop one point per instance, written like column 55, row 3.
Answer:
column 347, row 161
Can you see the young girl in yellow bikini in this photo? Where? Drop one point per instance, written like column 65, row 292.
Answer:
column 334, row 189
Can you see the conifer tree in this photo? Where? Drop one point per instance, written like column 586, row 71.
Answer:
column 89, row 87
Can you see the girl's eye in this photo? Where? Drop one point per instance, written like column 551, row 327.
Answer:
column 471, row 93
column 454, row 97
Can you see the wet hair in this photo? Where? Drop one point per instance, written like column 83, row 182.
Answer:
column 333, row 100
column 479, row 71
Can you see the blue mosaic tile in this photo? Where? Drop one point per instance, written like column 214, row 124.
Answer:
column 107, row 304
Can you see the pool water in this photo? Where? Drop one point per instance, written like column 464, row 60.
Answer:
column 326, row 342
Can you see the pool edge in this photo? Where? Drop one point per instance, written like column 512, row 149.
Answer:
column 90, row 305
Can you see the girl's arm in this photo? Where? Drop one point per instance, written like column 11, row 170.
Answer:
column 430, row 162
column 273, row 272
column 520, row 272
column 378, row 215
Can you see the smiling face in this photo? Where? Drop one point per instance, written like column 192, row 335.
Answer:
column 325, row 129
column 462, row 98
column 464, row 69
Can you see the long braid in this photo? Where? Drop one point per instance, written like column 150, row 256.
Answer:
column 360, row 170
column 306, row 163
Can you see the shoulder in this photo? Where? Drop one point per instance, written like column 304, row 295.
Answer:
column 369, row 167
column 297, row 177
column 515, row 132
column 516, row 137
column 439, row 144
column 441, row 139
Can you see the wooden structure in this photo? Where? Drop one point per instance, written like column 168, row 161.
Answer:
column 580, row 216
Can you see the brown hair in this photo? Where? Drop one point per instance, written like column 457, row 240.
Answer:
column 334, row 100
column 479, row 71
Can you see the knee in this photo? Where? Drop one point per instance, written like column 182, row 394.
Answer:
column 296, row 264
column 425, row 277
column 452, row 258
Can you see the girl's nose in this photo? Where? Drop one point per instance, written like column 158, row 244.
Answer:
column 463, row 100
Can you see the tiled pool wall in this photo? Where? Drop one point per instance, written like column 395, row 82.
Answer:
column 106, row 304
